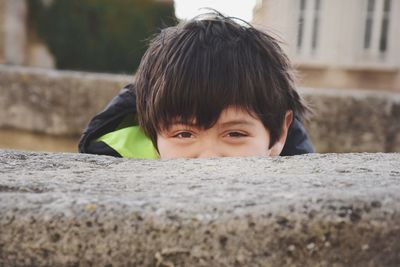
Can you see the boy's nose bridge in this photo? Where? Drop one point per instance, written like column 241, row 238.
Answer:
column 209, row 150
column 209, row 154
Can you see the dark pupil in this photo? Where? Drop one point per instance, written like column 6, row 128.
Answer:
column 235, row 134
column 186, row 134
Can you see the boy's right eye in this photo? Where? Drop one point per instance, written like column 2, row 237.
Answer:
column 183, row 135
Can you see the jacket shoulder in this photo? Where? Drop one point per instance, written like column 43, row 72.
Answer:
column 106, row 121
column 297, row 141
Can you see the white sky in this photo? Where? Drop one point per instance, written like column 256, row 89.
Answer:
column 243, row 9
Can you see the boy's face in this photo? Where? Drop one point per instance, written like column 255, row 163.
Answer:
column 236, row 133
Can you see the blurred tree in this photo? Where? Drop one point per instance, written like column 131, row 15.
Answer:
column 98, row 35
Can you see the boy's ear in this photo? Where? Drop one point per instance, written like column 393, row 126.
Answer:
column 276, row 149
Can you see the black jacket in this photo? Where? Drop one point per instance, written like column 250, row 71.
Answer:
column 123, row 106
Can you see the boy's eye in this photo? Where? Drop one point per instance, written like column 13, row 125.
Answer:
column 236, row 134
column 183, row 135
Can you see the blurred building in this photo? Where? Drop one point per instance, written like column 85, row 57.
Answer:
column 338, row 44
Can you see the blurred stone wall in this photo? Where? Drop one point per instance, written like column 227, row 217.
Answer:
column 353, row 120
column 62, row 102
column 53, row 102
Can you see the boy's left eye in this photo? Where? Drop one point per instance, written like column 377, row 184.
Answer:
column 183, row 135
column 236, row 134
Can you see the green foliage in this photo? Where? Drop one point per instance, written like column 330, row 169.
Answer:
column 99, row 35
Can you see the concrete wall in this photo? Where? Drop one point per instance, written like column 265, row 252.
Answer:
column 314, row 210
column 377, row 79
column 62, row 103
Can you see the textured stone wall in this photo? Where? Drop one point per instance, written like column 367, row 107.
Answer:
column 354, row 120
column 313, row 210
column 53, row 102
column 61, row 103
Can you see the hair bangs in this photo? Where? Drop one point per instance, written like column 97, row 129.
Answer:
column 209, row 79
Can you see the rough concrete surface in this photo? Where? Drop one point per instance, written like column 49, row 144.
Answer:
column 312, row 210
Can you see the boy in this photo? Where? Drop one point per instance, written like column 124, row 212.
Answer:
column 209, row 87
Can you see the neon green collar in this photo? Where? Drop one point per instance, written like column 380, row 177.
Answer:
column 130, row 142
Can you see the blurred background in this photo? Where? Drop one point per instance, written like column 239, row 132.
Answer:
column 61, row 61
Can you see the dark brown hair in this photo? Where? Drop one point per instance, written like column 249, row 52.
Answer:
column 195, row 70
